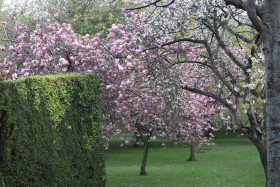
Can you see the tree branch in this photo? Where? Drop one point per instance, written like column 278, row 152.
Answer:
column 209, row 94
column 253, row 10
column 230, row 55
column 236, row 3
column 222, row 78
column 155, row 3
column 237, row 34
column 187, row 61
column 215, row 71
column 177, row 41
column 184, row 40
column 167, row 4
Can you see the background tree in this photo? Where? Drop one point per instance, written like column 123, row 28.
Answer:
column 230, row 52
column 86, row 16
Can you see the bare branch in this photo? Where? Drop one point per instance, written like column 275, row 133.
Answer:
column 167, row 4
column 155, row 3
column 145, row 6
column 236, row 3
column 209, row 94
column 177, row 41
column 237, row 34
column 184, row 40
column 228, row 84
column 188, row 61
column 230, row 55
column 253, row 10
column 256, row 94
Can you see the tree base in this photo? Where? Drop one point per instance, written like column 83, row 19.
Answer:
column 143, row 173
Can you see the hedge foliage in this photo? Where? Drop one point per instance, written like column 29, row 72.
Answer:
column 50, row 133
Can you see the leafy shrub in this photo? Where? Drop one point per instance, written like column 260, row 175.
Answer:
column 50, row 133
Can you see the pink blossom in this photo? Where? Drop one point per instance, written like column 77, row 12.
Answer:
column 120, row 26
column 37, row 17
column 89, row 47
column 11, row 47
column 110, row 35
column 63, row 61
column 120, row 67
column 14, row 76
column 128, row 140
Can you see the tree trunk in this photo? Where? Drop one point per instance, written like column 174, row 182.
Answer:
column 271, row 41
column 266, row 19
column 144, row 158
column 262, row 149
column 254, row 133
column 192, row 153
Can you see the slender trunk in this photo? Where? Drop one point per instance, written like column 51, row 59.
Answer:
column 71, row 65
column 144, row 158
column 192, row 153
column 271, row 48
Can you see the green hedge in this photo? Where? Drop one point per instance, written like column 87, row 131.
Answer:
column 50, row 133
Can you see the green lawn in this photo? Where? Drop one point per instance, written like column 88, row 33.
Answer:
column 232, row 162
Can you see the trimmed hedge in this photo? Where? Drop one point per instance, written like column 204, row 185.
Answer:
column 50, row 133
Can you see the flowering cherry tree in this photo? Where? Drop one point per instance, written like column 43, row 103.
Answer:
column 166, row 111
column 225, row 50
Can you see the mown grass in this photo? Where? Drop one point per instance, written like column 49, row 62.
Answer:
column 232, row 162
